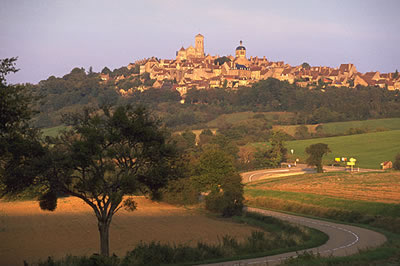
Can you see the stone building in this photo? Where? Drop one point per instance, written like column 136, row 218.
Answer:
column 192, row 52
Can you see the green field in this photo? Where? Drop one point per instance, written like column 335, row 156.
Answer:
column 339, row 128
column 369, row 149
column 53, row 131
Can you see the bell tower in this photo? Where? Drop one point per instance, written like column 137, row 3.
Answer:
column 199, row 45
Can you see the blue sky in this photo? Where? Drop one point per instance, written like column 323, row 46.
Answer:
column 52, row 37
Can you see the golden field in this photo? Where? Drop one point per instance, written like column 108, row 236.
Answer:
column 28, row 233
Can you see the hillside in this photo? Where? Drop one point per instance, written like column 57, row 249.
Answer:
column 340, row 128
column 369, row 149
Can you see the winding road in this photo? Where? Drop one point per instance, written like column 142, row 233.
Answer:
column 343, row 240
column 295, row 170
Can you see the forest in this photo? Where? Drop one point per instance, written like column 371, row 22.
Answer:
column 82, row 88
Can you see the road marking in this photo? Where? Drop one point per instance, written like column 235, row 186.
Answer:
column 271, row 171
column 356, row 237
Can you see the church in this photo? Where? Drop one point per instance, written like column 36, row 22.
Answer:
column 192, row 52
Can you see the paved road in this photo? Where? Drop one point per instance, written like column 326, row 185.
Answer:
column 343, row 240
column 299, row 169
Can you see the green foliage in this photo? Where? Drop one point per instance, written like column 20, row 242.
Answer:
column 305, row 65
column 228, row 198
column 221, row 60
column 105, row 70
column 315, row 153
column 182, row 191
column 302, row 132
column 213, row 167
column 105, row 155
column 20, row 147
column 396, row 164
column 215, row 174
column 273, row 156
column 48, row 201
column 396, row 74
column 190, row 138
column 205, row 137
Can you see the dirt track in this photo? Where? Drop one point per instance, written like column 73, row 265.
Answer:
column 27, row 233
column 343, row 240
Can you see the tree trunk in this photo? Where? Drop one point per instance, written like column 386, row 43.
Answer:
column 104, row 227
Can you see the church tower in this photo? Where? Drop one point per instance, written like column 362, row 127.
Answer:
column 240, row 51
column 199, row 45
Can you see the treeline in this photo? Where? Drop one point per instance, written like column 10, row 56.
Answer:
column 80, row 88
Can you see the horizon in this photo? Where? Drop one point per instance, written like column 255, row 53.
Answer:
column 50, row 38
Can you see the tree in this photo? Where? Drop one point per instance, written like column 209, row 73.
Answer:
column 273, row 156
column 205, row 136
column 190, row 138
column 19, row 143
column 396, row 164
column 315, row 153
column 215, row 173
column 221, row 60
column 396, row 74
column 105, row 156
column 302, row 132
column 105, row 70
column 305, row 65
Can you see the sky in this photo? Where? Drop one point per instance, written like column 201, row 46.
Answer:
column 51, row 37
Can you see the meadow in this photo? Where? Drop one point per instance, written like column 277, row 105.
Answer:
column 340, row 128
column 53, row 131
column 370, row 149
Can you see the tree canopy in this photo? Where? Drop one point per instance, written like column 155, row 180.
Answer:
column 315, row 153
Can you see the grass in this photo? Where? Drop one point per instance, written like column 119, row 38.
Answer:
column 53, row 131
column 369, row 149
column 339, row 128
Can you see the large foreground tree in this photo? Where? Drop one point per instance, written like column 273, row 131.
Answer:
column 105, row 156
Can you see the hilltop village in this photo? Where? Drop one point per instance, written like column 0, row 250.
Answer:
column 192, row 68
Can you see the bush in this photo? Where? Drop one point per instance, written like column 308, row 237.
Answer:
column 228, row 200
column 180, row 192
column 396, row 164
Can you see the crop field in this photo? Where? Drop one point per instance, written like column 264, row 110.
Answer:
column 376, row 187
column 368, row 198
column 369, row 149
column 27, row 233
column 337, row 128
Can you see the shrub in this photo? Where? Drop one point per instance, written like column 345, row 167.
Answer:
column 228, row 200
column 396, row 164
column 180, row 192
